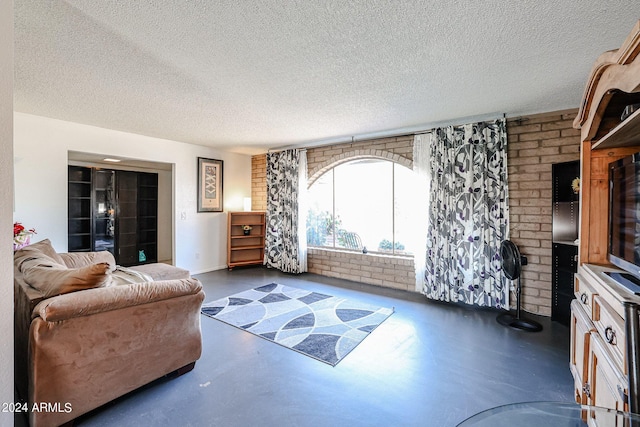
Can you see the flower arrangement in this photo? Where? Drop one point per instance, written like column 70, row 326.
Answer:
column 21, row 236
column 575, row 185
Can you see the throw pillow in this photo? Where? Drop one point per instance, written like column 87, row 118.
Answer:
column 55, row 280
column 42, row 250
column 81, row 259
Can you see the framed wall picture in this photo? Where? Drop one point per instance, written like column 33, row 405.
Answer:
column 209, row 185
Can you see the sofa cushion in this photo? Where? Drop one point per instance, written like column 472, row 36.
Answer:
column 161, row 271
column 126, row 276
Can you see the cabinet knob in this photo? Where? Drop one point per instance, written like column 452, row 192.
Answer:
column 610, row 335
column 584, row 298
column 623, row 395
column 586, row 389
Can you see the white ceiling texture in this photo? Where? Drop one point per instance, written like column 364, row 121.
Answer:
column 248, row 75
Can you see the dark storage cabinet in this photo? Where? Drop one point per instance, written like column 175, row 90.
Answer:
column 147, row 224
column 566, row 211
column 114, row 210
column 127, row 218
column 104, row 204
column 565, row 265
column 79, row 209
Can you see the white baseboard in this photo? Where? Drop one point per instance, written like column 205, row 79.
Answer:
column 208, row 270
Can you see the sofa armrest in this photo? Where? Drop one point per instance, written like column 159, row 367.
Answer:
column 89, row 347
column 82, row 259
column 25, row 298
column 92, row 301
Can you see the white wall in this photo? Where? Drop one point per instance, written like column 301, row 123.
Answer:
column 6, row 208
column 165, row 217
column 41, row 148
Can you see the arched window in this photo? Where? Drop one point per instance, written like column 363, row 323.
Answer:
column 363, row 203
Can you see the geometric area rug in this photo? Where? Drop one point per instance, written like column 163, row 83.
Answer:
column 321, row 326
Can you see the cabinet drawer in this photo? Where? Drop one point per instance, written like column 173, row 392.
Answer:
column 607, row 385
column 581, row 328
column 584, row 293
column 610, row 326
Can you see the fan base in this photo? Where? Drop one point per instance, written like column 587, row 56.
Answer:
column 507, row 319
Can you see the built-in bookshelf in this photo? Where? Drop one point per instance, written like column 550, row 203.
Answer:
column 115, row 211
column 80, row 237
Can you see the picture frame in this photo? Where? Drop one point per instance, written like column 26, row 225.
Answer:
column 210, row 185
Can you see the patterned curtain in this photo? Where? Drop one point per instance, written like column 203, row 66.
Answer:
column 285, row 242
column 468, row 214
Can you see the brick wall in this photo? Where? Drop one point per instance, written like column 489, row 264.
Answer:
column 259, row 182
column 397, row 149
column 381, row 270
column 534, row 143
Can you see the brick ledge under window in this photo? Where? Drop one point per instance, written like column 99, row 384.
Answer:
column 391, row 271
column 355, row 252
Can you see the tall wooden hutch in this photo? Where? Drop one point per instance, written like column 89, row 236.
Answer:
column 604, row 317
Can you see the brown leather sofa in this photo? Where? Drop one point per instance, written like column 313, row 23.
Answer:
column 79, row 350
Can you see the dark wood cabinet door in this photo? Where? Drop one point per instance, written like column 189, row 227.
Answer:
column 147, row 231
column 127, row 217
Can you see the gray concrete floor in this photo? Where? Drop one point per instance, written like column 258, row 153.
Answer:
column 429, row 364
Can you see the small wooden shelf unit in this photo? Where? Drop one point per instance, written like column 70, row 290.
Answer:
column 245, row 249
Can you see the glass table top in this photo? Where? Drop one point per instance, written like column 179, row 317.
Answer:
column 550, row 414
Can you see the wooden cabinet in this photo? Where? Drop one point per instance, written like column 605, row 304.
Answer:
column 608, row 387
column 604, row 316
column 614, row 84
column 104, row 204
column 113, row 210
column 80, row 237
column 581, row 328
column 599, row 361
column 137, row 217
column 147, row 221
column 245, row 247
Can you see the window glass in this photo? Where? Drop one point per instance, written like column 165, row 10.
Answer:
column 363, row 203
column 320, row 216
column 353, row 205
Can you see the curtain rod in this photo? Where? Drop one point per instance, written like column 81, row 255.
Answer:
column 364, row 137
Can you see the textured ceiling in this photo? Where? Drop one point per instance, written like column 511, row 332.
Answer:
column 255, row 74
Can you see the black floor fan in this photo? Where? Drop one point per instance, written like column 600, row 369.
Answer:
column 512, row 263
